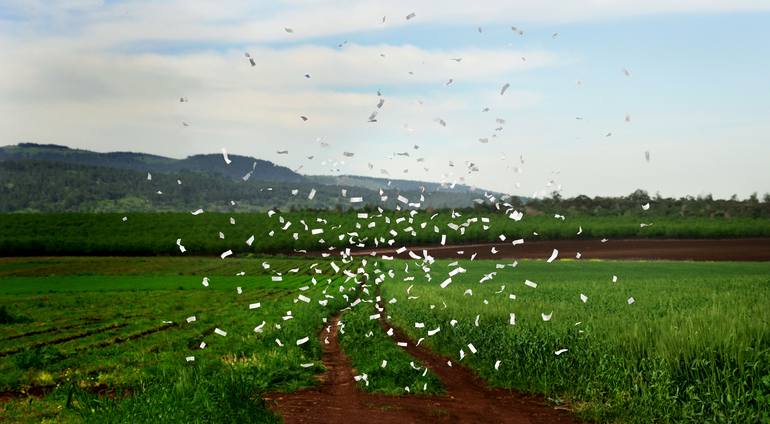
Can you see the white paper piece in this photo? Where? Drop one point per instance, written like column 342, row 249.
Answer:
column 531, row 284
column 250, row 240
column 546, row 317
column 497, row 365
column 226, row 254
column 311, row 195
column 191, row 319
column 224, row 155
column 220, row 332
column 254, row 305
column 512, row 320
column 190, row 359
column 197, row 212
column 384, row 363
column 554, row 254
column 472, row 348
column 631, row 300
column 560, row 351
column 614, row 278
column 205, row 282
column 446, row 282
column 646, row 206
column 583, row 298
column 434, row 331
column 302, row 341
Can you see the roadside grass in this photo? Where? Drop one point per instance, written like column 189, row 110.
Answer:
column 367, row 345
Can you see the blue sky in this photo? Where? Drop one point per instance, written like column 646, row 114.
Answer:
column 107, row 76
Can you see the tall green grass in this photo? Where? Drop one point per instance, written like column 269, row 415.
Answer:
column 695, row 345
column 107, row 376
column 367, row 345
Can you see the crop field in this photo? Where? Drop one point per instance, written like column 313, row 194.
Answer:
column 694, row 345
column 157, row 233
column 108, row 339
column 104, row 347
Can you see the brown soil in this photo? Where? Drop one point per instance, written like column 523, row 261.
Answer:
column 467, row 398
column 750, row 249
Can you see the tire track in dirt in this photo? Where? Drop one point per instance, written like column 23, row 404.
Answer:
column 337, row 399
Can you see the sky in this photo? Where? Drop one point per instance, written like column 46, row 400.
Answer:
column 592, row 86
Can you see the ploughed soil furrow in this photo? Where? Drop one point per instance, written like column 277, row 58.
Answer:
column 467, row 400
column 129, row 337
column 52, row 330
column 748, row 249
column 62, row 339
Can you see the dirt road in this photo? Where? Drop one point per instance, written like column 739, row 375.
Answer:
column 750, row 249
column 467, row 398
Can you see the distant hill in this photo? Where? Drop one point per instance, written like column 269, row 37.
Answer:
column 212, row 163
column 377, row 183
column 53, row 178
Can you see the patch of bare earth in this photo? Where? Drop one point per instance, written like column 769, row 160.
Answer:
column 467, row 400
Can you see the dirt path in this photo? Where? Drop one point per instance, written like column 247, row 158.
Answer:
column 468, row 400
column 750, row 249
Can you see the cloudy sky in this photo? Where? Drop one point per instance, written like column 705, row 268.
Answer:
column 107, row 75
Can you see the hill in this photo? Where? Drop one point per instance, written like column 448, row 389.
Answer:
column 30, row 185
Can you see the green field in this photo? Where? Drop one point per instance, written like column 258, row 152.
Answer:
column 86, row 336
column 157, row 233
column 694, row 346
column 100, row 339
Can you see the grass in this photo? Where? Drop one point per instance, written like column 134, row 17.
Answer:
column 92, row 344
column 157, row 233
column 97, row 348
column 695, row 345
column 367, row 345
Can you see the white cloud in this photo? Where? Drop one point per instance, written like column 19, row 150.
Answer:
column 74, row 73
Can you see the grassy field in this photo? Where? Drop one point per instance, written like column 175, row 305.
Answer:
column 109, row 342
column 693, row 346
column 89, row 337
column 368, row 346
column 157, row 233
